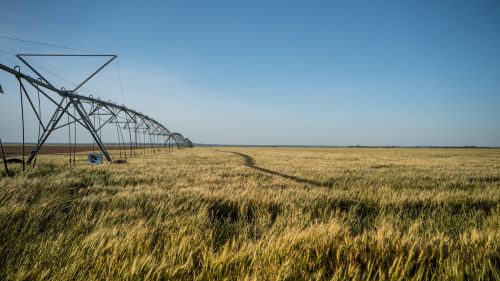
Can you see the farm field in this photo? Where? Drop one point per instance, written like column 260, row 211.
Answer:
column 12, row 150
column 256, row 214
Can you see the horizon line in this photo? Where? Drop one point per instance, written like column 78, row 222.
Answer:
column 277, row 145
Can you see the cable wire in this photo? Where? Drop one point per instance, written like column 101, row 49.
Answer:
column 47, row 44
column 120, row 78
column 58, row 75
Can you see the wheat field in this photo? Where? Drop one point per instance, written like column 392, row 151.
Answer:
column 238, row 213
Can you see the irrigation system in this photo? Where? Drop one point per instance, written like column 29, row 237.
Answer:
column 134, row 129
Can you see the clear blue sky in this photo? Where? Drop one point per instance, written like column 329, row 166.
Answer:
column 284, row 72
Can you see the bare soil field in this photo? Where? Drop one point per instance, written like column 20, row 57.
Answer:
column 17, row 150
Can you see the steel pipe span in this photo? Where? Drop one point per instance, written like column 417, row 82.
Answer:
column 141, row 128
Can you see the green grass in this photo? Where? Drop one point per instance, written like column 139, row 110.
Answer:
column 258, row 214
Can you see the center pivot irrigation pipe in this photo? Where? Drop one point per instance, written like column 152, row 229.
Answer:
column 86, row 109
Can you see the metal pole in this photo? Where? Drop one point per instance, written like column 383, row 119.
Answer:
column 74, row 146
column 56, row 117
column 40, row 124
column 4, row 160
column 90, row 128
column 69, row 136
column 22, row 117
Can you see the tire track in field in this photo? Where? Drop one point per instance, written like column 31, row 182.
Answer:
column 250, row 162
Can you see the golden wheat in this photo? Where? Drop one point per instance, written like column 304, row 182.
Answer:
column 256, row 214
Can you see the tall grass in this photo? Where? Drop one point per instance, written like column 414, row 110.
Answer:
column 256, row 214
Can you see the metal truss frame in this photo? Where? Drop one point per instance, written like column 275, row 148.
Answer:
column 86, row 109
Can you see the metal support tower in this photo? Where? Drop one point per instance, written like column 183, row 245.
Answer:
column 87, row 109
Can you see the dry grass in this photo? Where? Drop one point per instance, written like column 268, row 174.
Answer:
column 257, row 213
